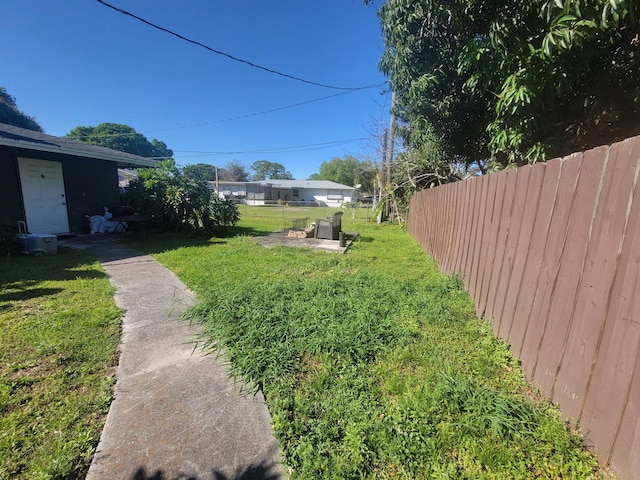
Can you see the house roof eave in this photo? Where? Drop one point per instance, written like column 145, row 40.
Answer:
column 24, row 139
column 122, row 160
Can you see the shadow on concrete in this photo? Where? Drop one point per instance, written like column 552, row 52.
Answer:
column 108, row 244
column 151, row 244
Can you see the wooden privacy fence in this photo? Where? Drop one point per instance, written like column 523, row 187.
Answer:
column 551, row 253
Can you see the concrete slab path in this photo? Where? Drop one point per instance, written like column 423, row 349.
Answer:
column 281, row 238
column 176, row 414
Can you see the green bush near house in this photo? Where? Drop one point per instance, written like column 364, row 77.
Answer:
column 176, row 202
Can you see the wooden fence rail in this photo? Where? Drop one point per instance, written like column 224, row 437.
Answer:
column 551, row 253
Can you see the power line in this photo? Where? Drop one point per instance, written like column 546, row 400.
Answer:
column 236, row 117
column 293, row 148
column 263, row 112
column 218, row 52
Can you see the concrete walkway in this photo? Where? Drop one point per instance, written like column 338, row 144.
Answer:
column 281, row 238
column 176, row 413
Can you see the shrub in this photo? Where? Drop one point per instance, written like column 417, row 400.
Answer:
column 177, row 202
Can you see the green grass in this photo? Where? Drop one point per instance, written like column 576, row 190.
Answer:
column 372, row 363
column 59, row 330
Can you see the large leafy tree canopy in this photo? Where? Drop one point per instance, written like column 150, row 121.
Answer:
column 265, row 170
column 347, row 170
column 200, row 171
column 233, row 171
column 11, row 115
column 122, row 138
column 514, row 81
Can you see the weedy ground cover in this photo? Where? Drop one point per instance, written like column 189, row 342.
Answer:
column 373, row 363
column 59, row 330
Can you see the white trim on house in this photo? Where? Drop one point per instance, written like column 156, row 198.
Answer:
column 312, row 192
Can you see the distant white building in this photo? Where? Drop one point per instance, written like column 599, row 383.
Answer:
column 311, row 192
column 125, row 175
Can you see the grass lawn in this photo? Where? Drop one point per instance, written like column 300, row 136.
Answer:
column 59, row 330
column 373, row 363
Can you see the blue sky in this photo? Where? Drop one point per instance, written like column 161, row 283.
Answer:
column 78, row 62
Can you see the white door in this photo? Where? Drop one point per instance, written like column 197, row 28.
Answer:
column 45, row 202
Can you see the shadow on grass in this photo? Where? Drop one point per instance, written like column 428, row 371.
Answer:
column 21, row 276
column 261, row 471
column 27, row 294
column 158, row 242
column 364, row 239
column 248, row 231
column 161, row 242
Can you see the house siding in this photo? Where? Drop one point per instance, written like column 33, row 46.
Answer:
column 256, row 193
column 90, row 185
column 11, row 209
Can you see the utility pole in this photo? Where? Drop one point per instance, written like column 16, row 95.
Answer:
column 389, row 149
column 381, row 181
column 392, row 134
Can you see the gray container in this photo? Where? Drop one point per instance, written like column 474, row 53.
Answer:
column 38, row 243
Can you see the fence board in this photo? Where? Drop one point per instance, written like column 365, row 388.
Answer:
column 486, row 219
column 572, row 259
column 613, row 370
column 595, row 288
column 501, row 242
column 552, row 252
column 533, row 268
column 496, row 216
column 626, row 453
column 470, row 236
column 529, row 214
column 462, row 228
column 550, row 263
column 457, row 226
column 454, row 200
column 436, row 220
column 475, row 266
column 471, row 240
column 513, row 235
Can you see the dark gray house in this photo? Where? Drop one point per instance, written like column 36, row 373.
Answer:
column 53, row 182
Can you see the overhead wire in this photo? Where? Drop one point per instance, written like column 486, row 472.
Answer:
column 272, row 110
column 236, row 117
column 293, row 148
column 227, row 55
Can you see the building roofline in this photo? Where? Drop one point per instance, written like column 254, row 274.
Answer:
column 42, row 142
column 328, row 184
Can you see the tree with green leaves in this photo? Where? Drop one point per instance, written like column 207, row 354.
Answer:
column 514, row 81
column 265, row 170
column 122, row 138
column 233, row 171
column 347, row 170
column 11, row 115
column 200, row 171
